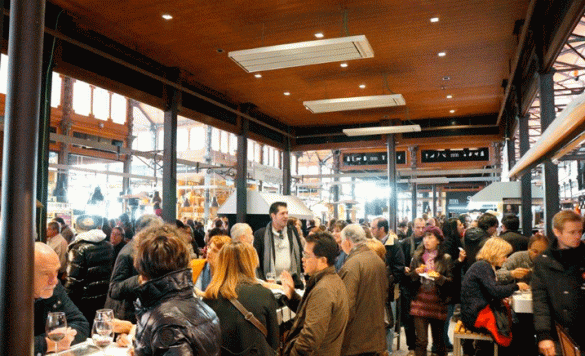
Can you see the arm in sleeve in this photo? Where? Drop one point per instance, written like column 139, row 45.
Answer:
column 504, row 273
column 259, row 246
column 75, row 320
column 40, row 345
column 351, row 280
column 272, row 322
column 76, row 273
column 318, row 315
column 395, row 262
column 541, row 306
column 124, row 282
column 171, row 341
column 497, row 291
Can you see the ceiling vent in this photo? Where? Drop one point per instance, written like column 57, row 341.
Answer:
column 303, row 53
column 355, row 103
column 381, row 130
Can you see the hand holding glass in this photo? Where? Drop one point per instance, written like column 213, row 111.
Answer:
column 56, row 327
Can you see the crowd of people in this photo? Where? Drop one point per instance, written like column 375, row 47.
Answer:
column 176, row 289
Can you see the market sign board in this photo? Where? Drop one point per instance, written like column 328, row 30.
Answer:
column 461, row 155
column 371, row 158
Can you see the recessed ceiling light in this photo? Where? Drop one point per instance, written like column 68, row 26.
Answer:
column 167, row 17
column 446, row 77
column 442, row 54
column 452, row 111
column 362, row 86
column 343, row 65
column 286, row 93
column 258, row 75
column 434, row 19
column 449, row 96
column 319, row 35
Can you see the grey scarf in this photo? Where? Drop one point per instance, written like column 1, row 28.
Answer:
column 269, row 253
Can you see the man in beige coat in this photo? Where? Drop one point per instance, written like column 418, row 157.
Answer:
column 364, row 276
column 322, row 313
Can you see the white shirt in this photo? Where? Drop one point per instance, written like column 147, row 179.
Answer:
column 282, row 259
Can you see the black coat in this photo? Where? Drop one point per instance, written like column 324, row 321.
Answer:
column 236, row 332
column 479, row 289
column 473, row 241
column 558, row 291
column 259, row 246
column 518, row 242
column 88, row 274
column 170, row 321
column 58, row 302
column 124, row 285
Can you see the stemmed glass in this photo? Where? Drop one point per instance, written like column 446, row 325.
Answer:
column 102, row 333
column 104, row 314
column 56, row 327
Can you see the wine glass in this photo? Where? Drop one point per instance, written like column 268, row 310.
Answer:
column 102, row 333
column 104, row 314
column 56, row 327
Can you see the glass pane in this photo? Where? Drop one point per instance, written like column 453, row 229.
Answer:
column 81, row 98
column 198, row 137
column 101, row 103
column 182, row 140
column 55, row 90
column 234, row 145
column 215, row 139
column 3, row 73
column 119, row 109
column 251, row 148
column 224, row 142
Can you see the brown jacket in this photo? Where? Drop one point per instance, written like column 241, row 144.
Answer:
column 321, row 317
column 364, row 276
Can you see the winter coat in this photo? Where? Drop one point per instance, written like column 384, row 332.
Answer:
column 473, row 241
column 443, row 266
column 479, row 289
column 58, row 302
column 89, row 270
column 124, row 285
column 558, row 292
column 364, row 276
column 518, row 242
column 238, row 334
column 170, row 321
column 321, row 319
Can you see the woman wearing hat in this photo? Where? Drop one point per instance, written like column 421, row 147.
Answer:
column 430, row 270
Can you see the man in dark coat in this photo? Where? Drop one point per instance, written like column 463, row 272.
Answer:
column 510, row 226
column 278, row 245
column 558, row 284
column 475, row 237
column 50, row 297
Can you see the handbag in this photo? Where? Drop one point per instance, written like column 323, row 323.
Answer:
column 260, row 346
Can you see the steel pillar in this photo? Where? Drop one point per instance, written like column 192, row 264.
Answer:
column 208, row 160
column 335, row 188
column 286, row 174
column 19, row 168
column 169, row 178
column 550, row 171
column 393, row 194
column 434, row 192
column 414, row 187
column 526, row 180
column 242, row 173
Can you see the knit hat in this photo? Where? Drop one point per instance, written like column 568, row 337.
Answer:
column 435, row 231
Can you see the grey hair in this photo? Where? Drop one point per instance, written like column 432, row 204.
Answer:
column 148, row 220
column 238, row 230
column 354, row 233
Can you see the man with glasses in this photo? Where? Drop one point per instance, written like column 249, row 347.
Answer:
column 323, row 311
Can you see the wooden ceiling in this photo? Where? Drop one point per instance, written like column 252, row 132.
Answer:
column 476, row 35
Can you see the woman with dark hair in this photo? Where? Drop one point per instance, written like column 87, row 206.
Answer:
column 169, row 318
column 234, row 278
column 453, row 231
column 430, row 271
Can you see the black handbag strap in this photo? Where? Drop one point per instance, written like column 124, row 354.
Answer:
column 249, row 316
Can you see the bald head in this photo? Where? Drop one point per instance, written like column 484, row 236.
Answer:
column 242, row 232
column 46, row 268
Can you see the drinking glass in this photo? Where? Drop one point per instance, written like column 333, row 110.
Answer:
column 56, row 327
column 102, row 333
column 104, row 314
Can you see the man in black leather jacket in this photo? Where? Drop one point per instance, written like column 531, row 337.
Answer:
column 170, row 321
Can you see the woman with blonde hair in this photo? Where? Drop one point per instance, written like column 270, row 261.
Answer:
column 234, row 278
column 481, row 293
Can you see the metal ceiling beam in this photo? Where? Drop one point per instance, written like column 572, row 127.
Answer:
column 404, row 181
column 405, row 173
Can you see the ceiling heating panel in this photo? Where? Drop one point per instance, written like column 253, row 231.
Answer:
column 355, row 103
column 303, row 53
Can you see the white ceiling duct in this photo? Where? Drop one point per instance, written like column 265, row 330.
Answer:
column 302, row 53
column 381, row 130
column 355, row 103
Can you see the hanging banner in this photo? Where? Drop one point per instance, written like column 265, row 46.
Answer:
column 371, row 158
column 463, row 155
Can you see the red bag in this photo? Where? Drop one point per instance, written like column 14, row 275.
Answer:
column 486, row 319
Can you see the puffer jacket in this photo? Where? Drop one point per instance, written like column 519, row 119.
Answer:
column 88, row 272
column 170, row 321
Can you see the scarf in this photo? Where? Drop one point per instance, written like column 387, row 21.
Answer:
column 269, row 253
column 429, row 258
